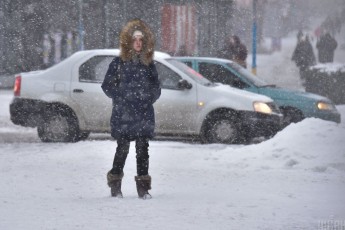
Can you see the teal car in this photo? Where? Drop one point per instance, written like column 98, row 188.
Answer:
column 294, row 105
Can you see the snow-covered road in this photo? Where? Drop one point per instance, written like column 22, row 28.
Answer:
column 296, row 180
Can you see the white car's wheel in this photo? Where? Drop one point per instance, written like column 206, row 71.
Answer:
column 221, row 129
column 58, row 127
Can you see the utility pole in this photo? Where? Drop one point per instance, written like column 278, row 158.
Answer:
column 254, row 37
column 81, row 26
column 106, row 23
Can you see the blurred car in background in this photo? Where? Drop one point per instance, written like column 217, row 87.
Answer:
column 294, row 105
column 65, row 102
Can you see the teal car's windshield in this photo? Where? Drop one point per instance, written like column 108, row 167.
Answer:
column 248, row 75
column 190, row 72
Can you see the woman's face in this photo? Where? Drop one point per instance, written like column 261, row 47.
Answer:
column 137, row 43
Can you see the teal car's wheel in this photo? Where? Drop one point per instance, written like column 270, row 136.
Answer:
column 83, row 135
column 291, row 115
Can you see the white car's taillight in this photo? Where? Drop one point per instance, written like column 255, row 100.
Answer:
column 17, row 84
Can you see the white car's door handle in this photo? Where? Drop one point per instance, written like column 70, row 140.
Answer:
column 78, row 91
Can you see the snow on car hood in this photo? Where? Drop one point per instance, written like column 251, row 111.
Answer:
column 288, row 94
column 226, row 89
column 329, row 67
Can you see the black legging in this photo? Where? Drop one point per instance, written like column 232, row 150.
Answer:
column 141, row 146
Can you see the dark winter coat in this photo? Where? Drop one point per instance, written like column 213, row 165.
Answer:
column 326, row 46
column 303, row 55
column 241, row 55
column 132, row 83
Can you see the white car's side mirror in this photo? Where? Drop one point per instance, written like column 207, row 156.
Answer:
column 184, row 84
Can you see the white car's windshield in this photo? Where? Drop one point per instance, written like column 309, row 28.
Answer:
column 248, row 75
column 190, row 72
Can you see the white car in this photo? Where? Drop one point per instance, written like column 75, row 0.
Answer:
column 66, row 102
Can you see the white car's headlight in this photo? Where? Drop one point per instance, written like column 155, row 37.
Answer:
column 325, row 106
column 262, row 107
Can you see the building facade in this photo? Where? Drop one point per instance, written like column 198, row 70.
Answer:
column 40, row 33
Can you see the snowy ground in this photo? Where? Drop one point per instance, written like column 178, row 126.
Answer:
column 295, row 180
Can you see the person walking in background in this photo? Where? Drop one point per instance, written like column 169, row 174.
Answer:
column 326, row 46
column 329, row 25
column 318, row 31
column 182, row 51
column 235, row 51
column 132, row 83
column 299, row 35
column 303, row 55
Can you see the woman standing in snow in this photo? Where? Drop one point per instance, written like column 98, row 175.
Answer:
column 132, row 83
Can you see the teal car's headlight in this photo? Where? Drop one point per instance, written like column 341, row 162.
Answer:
column 262, row 107
column 321, row 105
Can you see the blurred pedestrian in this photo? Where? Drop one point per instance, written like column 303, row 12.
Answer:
column 235, row 51
column 303, row 55
column 132, row 83
column 46, row 51
column 182, row 51
column 337, row 23
column 329, row 25
column 318, row 32
column 299, row 35
column 326, row 46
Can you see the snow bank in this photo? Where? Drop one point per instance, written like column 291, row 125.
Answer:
column 329, row 68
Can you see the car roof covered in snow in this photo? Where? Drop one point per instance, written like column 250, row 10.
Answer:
column 205, row 58
column 157, row 54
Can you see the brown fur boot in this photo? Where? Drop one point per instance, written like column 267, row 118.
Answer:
column 114, row 182
column 143, row 185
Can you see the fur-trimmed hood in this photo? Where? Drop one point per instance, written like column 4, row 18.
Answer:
column 126, row 48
